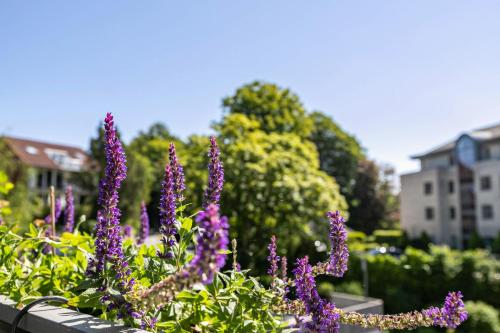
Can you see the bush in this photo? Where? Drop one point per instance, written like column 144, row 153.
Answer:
column 389, row 237
column 483, row 318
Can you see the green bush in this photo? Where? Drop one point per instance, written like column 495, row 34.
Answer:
column 389, row 237
column 483, row 318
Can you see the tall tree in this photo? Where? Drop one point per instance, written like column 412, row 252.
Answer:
column 367, row 208
column 339, row 151
column 274, row 186
column 275, row 108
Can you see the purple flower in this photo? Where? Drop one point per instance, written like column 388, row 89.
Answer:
column 214, row 238
column 108, row 240
column 452, row 313
column 339, row 254
column 284, row 263
column 215, row 175
column 273, row 260
column 324, row 315
column 127, row 231
column 167, row 214
column 144, row 230
column 69, row 211
column 177, row 172
column 209, row 258
column 57, row 211
column 48, row 222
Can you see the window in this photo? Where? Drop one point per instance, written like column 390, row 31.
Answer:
column 453, row 213
column 49, row 178
column 59, row 180
column 428, row 188
column 487, row 212
column 39, row 180
column 451, row 187
column 429, row 213
column 485, row 182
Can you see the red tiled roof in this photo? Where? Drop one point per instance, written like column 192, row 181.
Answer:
column 34, row 153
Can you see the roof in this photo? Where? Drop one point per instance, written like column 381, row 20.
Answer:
column 48, row 155
column 481, row 134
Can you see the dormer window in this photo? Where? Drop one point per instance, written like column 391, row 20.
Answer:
column 31, row 150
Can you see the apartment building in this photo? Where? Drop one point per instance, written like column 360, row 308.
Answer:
column 457, row 190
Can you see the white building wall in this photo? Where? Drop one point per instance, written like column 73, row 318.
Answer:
column 487, row 228
column 414, row 203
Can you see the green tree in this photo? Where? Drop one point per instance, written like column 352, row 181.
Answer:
column 475, row 241
column 339, row 152
column 136, row 187
column 495, row 246
column 275, row 108
column 367, row 208
column 274, row 186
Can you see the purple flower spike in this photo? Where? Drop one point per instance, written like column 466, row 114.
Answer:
column 324, row 315
column 273, row 260
column 57, row 211
column 48, row 223
column 214, row 239
column 215, row 175
column 144, row 230
column 69, row 210
column 339, row 254
column 127, row 231
column 108, row 241
column 452, row 313
column 209, row 258
column 167, row 214
column 177, row 172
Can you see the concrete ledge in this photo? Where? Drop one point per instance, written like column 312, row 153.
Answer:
column 52, row 319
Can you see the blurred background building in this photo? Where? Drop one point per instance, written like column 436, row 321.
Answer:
column 455, row 195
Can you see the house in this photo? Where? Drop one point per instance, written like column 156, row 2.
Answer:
column 49, row 164
column 457, row 190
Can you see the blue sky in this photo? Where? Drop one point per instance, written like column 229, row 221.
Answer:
column 403, row 76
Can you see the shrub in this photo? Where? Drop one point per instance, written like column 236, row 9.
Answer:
column 483, row 318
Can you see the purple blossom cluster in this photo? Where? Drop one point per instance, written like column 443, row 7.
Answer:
column 209, row 258
column 339, row 253
column 108, row 243
column 177, row 173
column 48, row 218
column 144, row 229
column 273, row 260
column 69, row 210
column 215, row 175
column 452, row 313
column 48, row 223
column 127, row 231
column 324, row 317
column 214, row 239
column 167, row 214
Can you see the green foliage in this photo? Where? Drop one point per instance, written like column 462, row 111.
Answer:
column 475, row 241
column 5, row 187
column 273, row 184
column 389, row 237
column 136, row 187
column 495, row 246
column 234, row 302
column 367, row 208
column 483, row 318
column 276, row 109
column 339, row 152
